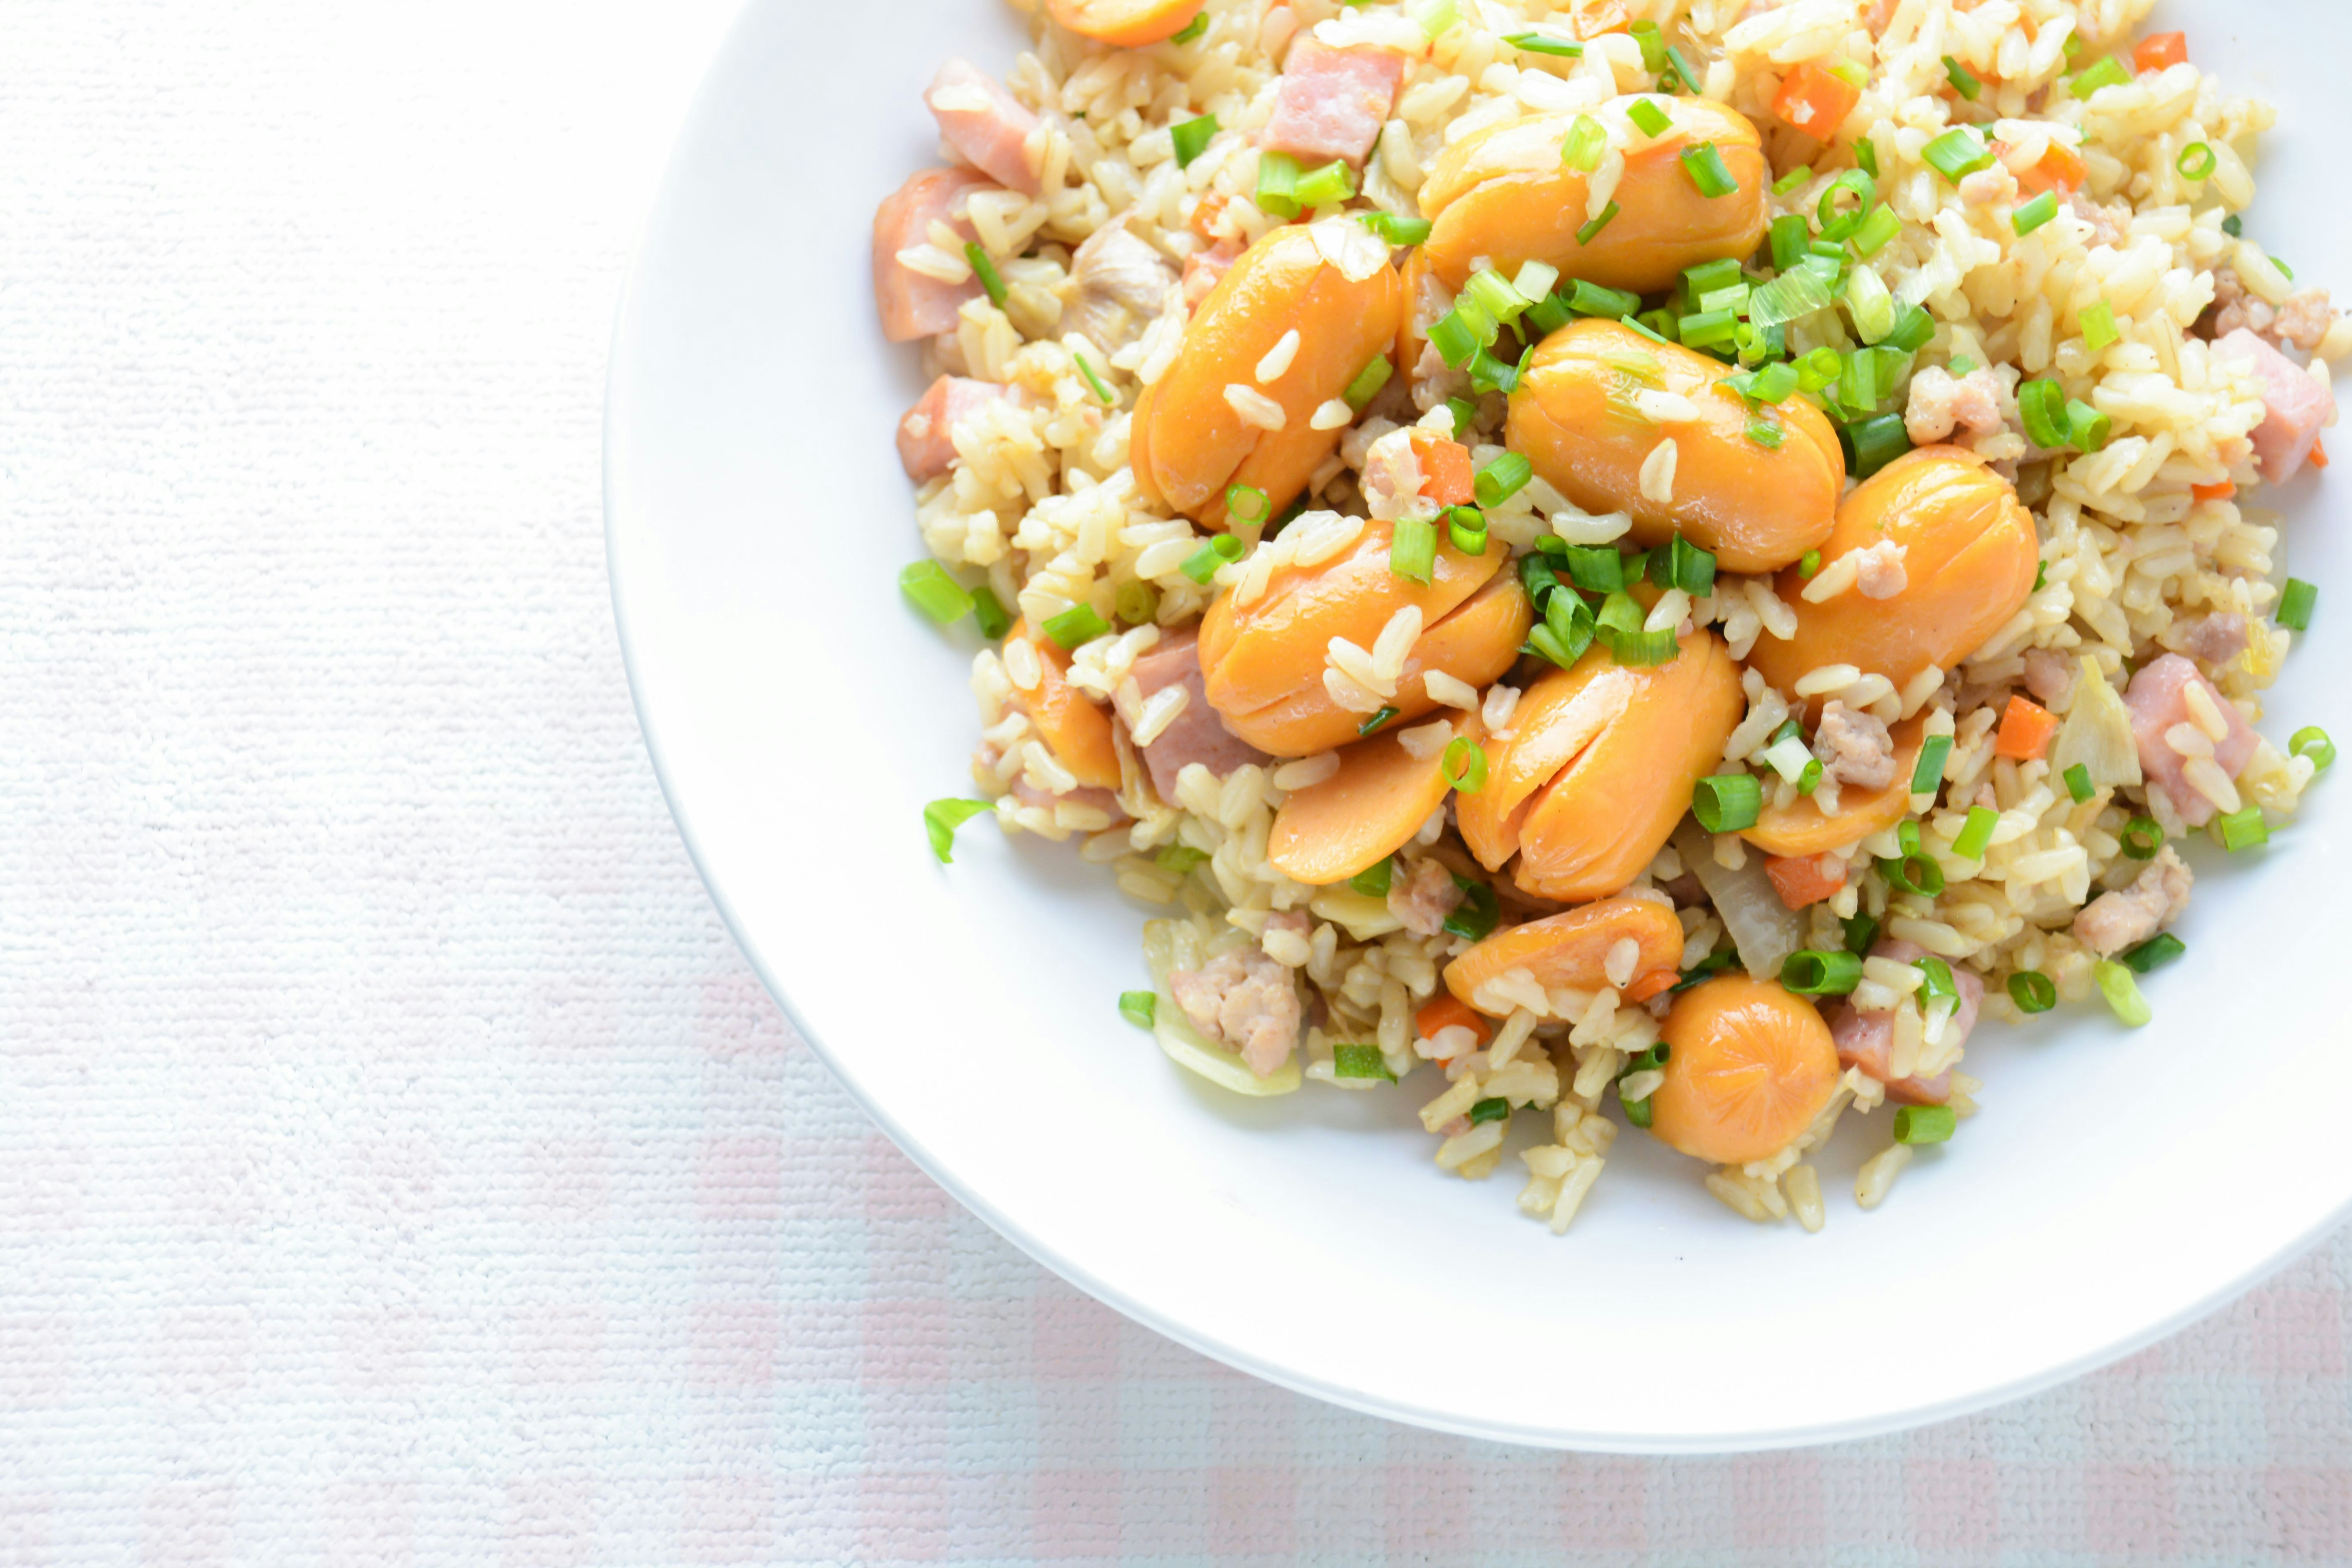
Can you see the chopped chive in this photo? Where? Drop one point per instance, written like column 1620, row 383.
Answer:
column 1413, row 549
column 1369, row 382
column 1465, row 529
column 2233, row 225
column 1138, row 1008
column 2033, row 991
column 1913, row 873
column 2035, row 214
column 1838, row 223
column 1957, row 154
column 1432, row 16
column 1682, row 69
column 1715, row 962
column 1246, row 503
column 1544, row 44
column 1814, row 973
column 1879, row 226
column 1810, row 778
column 1077, row 625
column 2087, row 426
column 1913, row 331
column 1179, row 858
column 1961, row 365
column 933, row 592
column 2142, row 838
column 1375, row 881
column 1789, row 730
column 1094, row 381
column 2108, row 72
column 1964, row 81
column 1332, row 182
column 2078, row 783
column 1809, row 564
column 1925, row 1123
column 1582, row 147
column 1908, row 835
column 2196, row 160
column 1727, row 802
column 1202, row 563
column 1875, row 443
column 1454, row 339
column 1591, row 300
column 2099, row 328
column 1927, row 776
column 1376, row 720
column 1706, row 328
column 989, row 614
column 1792, row 179
column 1789, row 234
column 1706, row 168
column 1474, row 918
column 1596, row 568
column 1654, row 325
column 985, row 271
column 1137, row 602
column 2154, row 953
column 1360, row 1061
column 1465, row 413
column 1976, row 836
column 1504, row 477
column 1488, row 373
column 1939, row 985
column 1645, row 647
column 1463, row 766
column 2294, row 606
column 1861, row 931
column 2312, row 742
column 1690, row 568
column 2242, row 829
column 1277, row 185
column 1397, row 230
column 2041, row 407
column 2122, row 991
column 1191, row 138
column 1653, row 45
column 1653, row 120
column 1192, row 29
column 942, row 817
column 1772, row 383
column 1638, row 1112
column 1865, row 156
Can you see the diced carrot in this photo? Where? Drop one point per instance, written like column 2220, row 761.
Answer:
column 1445, row 1011
column 1651, row 984
column 1598, row 16
column 1446, row 477
column 2025, row 730
column 2221, row 491
column 1816, row 99
column 2061, row 168
column 1801, row 880
column 2159, row 51
column 2318, row 455
column 1205, row 213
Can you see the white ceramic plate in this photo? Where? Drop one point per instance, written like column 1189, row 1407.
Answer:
column 2117, row 1185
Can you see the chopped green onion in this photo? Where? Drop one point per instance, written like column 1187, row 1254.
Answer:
column 1865, row 154
column 2312, row 742
column 1913, row 331
column 1584, row 144
column 1654, row 47
column 2122, row 991
column 1094, row 381
column 1707, row 328
column 1544, row 44
column 1727, row 803
column 1191, row 138
column 1180, row 858
column 1076, row 626
column 2099, row 328
column 2087, row 426
column 1138, row 1008
column 2233, row 225
column 1814, row 973
column 928, row 586
column 1925, row 1123
column 1432, row 16
column 1964, row 81
column 1715, row 962
column 1690, row 568
column 1455, row 342
column 1495, row 1109
column 2073, row 46
column 1332, row 182
column 2078, row 783
column 2035, row 214
column 1645, row 647
column 1939, row 985
column 1413, row 549
column 1957, row 154
column 1908, row 835
column 2294, row 606
column 1809, row 564
column 1878, row 226
column 1394, row 229
column 1961, row 365
column 1591, row 300
column 1277, row 185
column 2042, row 406
column 2154, row 953
column 1137, row 602
column 1773, row 383
column 1870, row 305
column 2142, row 838
column 2033, row 991
column 2242, row 829
column 1682, row 69
column 992, row 280
column 1653, row 120
column 2279, row 263
column 1504, row 477
column 1596, row 568
column 1875, row 442
column 1927, row 776
column 1360, row 1061
column 1792, row 179
column 1474, row 918
column 1655, row 325
column 2196, row 160
column 1369, row 382
column 1375, row 722
column 1202, row 563
column 1976, row 836
column 1488, row 373
column 1811, row 779
column 1192, row 30
column 1375, row 881
column 942, row 817
column 1912, row 874
column 1861, row 931
column 1789, row 234
column 1789, row 730
column 2108, row 72
column 1705, row 166
column 1836, row 223
column 989, row 614
column 1465, row 529
column 1247, row 503
column 1792, row 296
column 1463, row 766
column 1464, row 414
column 1638, row 1112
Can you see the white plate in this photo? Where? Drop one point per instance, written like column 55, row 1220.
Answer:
column 2115, row 1186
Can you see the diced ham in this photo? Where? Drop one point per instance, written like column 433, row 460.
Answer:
column 1204, row 269
column 1866, row 1040
column 2215, row 639
column 2297, row 407
column 1332, row 102
column 2157, row 699
column 1102, row 800
column 1245, row 1000
column 924, row 446
column 1424, row 897
column 913, row 306
column 987, row 126
column 1195, row 735
column 2115, row 920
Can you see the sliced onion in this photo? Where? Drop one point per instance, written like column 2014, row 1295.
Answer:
column 1169, row 945
column 1764, row 929
column 2097, row 733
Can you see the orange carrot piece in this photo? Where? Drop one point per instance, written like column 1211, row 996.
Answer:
column 1599, row 16
column 1204, row 216
column 2221, row 491
column 1446, row 477
column 2025, row 730
column 2061, row 169
column 1800, row 880
column 1651, row 984
column 1816, row 99
column 2318, row 455
column 1445, row 1010
column 2159, row 51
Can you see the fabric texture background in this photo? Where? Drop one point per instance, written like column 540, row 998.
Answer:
column 398, row 1163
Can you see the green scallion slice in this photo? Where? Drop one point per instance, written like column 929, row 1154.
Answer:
column 1095, row 381
column 992, row 280
column 1878, row 226
column 1544, row 44
column 1809, row 565
column 1432, row 16
column 1465, row 529
column 1474, row 918
column 1927, row 776
column 2087, row 426
column 1654, row 47
column 1875, row 443
column 1957, row 154
column 1727, row 802
column 1939, row 985
column 2078, row 783
column 1683, row 69
column 1913, row 331
column 1707, row 173
column 1861, row 931
column 1792, row 179
column 1706, row 328
column 1413, row 549
column 1838, row 223
column 2035, row 214
column 1596, row 568
column 2312, row 742
column 1454, row 339
column 2242, row 829
column 2142, row 838
column 2154, row 953
column 2042, row 405
column 1964, row 81
column 2196, row 160
column 1645, row 647
column 1586, row 142
column 1652, row 120
column 2234, row 226
column 928, row 586
column 1180, row 858
column 1247, row 504
column 1369, row 382
column 988, row 615
column 1374, row 881
column 1331, row 183
column 1360, row 1061
column 1375, row 722
column 1925, row 1123
column 1913, row 873
column 1814, row 974
column 1277, row 185
column 1976, row 836
column 1463, row 766
column 2294, row 606
column 1397, row 230
column 2108, row 72
column 1136, row 603
column 1690, row 568
column 1076, row 627
column 1192, row 136
column 942, row 817
column 1790, row 234
column 1138, row 1008
column 2033, row 991
column 2099, row 328
column 1591, row 300
column 1504, row 477
column 2122, row 990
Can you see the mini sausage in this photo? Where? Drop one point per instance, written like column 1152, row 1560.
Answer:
column 1332, row 284
column 1748, row 1067
column 1599, row 768
column 1970, row 557
column 1578, row 416
column 1125, row 23
column 1503, row 196
column 1364, row 813
column 1074, row 728
column 1572, row 949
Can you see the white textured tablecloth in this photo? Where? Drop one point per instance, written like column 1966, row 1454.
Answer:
column 397, row 1163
